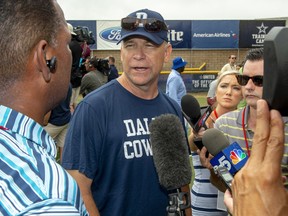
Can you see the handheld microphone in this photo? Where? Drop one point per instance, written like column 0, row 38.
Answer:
column 171, row 159
column 232, row 156
column 275, row 69
column 192, row 112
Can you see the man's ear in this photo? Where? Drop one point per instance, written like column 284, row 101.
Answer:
column 41, row 60
column 121, row 59
column 168, row 51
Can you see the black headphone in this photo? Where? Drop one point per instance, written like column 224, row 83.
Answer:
column 51, row 64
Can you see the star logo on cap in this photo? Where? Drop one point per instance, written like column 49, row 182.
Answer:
column 262, row 28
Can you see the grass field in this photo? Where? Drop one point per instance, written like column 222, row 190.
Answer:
column 201, row 97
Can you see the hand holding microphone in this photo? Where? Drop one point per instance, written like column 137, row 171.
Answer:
column 228, row 158
column 192, row 113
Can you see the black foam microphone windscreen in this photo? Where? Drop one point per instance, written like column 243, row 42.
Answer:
column 192, row 112
column 215, row 141
column 276, row 69
column 191, row 108
column 170, row 151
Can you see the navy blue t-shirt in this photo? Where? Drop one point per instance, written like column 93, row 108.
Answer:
column 108, row 141
column 61, row 114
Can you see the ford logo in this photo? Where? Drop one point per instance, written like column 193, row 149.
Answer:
column 111, row 34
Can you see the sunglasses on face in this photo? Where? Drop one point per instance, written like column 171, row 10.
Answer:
column 150, row 25
column 233, row 58
column 243, row 80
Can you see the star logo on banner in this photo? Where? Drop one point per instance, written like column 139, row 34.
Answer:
column 262, row 28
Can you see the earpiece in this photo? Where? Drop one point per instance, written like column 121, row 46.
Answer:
column 51, row 64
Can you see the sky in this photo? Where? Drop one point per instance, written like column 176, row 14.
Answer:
column 176, row 9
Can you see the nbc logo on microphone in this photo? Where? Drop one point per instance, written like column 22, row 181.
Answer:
column 237, row 155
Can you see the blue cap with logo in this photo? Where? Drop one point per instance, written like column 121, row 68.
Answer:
column 178, row 62
column 146, row 23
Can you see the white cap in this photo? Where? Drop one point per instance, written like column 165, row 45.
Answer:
column 70, row 27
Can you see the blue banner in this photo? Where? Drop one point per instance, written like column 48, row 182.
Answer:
column 179, row 34
column 91, row 24
column 194, row 82
column 209, row 34
column 253, row 32
column 192, row 34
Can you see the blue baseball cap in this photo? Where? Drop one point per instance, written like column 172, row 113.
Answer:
column 178, row 62
column 157, row 37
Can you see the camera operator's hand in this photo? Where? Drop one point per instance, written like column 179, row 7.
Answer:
column 257, row 188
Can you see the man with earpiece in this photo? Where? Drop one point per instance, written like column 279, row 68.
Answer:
column 94, row 78
column 35, row 76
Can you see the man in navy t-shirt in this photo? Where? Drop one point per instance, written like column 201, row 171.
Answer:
column 107, row 148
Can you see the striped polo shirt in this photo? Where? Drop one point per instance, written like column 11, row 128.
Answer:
column 31, row 182
column 231, row 124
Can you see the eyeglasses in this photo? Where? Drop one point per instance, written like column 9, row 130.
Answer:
column 243, row 80
column 233, row 58
column 150, row 24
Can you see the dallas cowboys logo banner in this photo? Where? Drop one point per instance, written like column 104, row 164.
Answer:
column 252, row 33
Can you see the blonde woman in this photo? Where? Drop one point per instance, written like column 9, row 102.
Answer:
column 203, row 193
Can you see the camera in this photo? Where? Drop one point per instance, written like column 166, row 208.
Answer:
column 101, row 65
column 83, row 34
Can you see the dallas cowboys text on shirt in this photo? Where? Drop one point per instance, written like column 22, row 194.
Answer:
column 139, row 146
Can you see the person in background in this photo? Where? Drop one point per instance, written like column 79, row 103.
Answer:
column 211, row 95
column 76, row 75
column 242, row 103
column 113, row 74
column 175, row 87
column 35, row 35
column 107, row 148
column 212, row 88
column 239, row 67
column 211, row 99
column 257, row 188
column 231, row 65
column 239, row 125
column 86, row 51
column 57, row 121
column 203, row 193
column 94, row 78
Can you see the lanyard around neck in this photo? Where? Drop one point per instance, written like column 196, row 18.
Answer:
column 215, row 113
column 244, row 131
